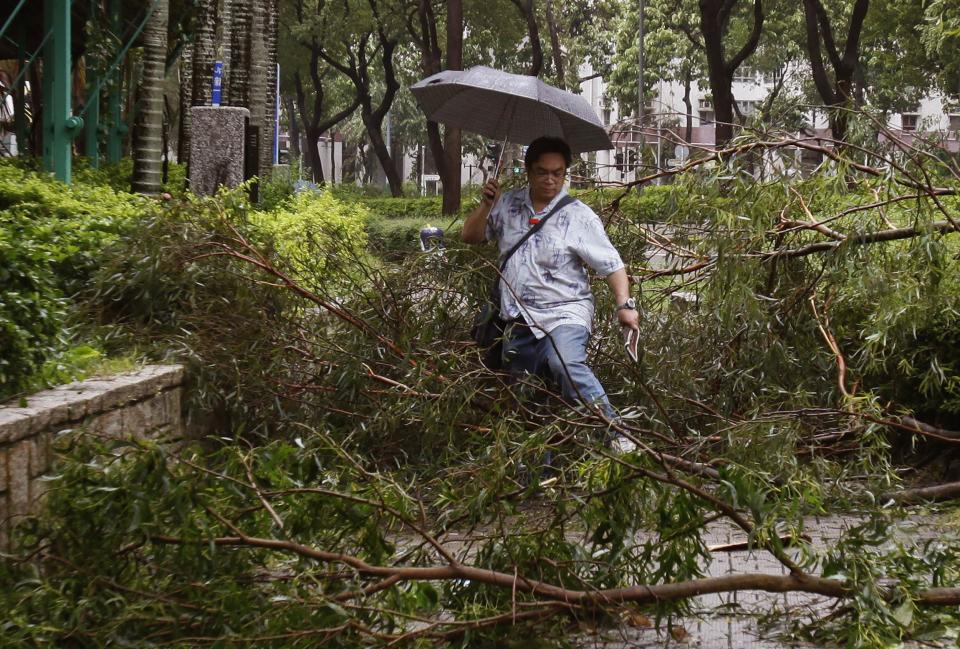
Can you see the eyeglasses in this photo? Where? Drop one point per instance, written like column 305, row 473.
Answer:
column 543, row 174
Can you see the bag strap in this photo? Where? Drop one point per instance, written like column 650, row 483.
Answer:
column 563, row 202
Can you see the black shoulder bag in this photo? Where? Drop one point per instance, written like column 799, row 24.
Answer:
column 488, row 326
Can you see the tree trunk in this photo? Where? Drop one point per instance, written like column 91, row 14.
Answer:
column 270, row 114
column 431, row 63
column 533, row 35
column 186, row 92
column 375, row 133
column 714, row 24
column 147, row 149
column 452, row 141
column 258, row 81
column 839, row 95
column 688, row 105
column 294, row 123
column 204, row 53
column 313, row 154
column 555, row 46
column 241, row 24
column 314, row 126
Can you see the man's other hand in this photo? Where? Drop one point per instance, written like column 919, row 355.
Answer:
column 629, row 318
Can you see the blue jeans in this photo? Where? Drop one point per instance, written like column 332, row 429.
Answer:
column 561, row 357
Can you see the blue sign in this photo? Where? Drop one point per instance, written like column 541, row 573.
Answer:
column 217, row 82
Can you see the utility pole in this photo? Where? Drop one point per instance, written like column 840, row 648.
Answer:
column 640, row 82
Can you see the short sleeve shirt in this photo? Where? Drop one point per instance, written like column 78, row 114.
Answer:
column 546, row 278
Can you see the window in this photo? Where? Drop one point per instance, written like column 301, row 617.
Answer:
column 745, row 74
column 706, row 112
column 747, row 106
column 955, row 123
column 774, row 76
column 908, row 121
column 606, row 108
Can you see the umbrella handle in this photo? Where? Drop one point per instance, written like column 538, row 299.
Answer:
column 499, row 168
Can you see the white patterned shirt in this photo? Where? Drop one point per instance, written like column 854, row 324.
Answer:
column 546, row 278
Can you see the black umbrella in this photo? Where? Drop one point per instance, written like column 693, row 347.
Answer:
column 510, row 107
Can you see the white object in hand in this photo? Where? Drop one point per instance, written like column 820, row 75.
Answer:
column 631, row 339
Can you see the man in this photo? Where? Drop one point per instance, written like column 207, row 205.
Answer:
column 545, row 290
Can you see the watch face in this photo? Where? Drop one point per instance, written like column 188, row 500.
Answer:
column 630, row 303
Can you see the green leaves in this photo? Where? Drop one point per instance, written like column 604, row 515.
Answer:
column 51, row 238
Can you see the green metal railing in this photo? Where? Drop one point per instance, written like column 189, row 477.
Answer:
column 6, row 25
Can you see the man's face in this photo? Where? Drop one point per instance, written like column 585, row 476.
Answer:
column 547, row 176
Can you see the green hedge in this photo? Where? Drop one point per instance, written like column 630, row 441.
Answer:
column 51, row 236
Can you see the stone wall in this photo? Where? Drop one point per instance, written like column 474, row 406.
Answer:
column 146, row 402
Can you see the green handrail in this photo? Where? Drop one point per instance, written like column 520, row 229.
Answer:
column 3, row 30
column 95, row 93
column 26, row 66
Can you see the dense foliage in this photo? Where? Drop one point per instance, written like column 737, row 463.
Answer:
column 51, row 241
column 790, row 323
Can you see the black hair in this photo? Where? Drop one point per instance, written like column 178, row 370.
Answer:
column 547, row 144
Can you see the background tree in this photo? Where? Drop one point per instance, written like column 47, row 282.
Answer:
column 835, row 87
column 315, row 95
column 895, row 68
column 715, row 26
column 359, row 39
column 446, row 149
column 148, row 139
column 940, row 35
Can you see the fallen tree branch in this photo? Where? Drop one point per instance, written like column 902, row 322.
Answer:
column 918, row 495
column 640, row 594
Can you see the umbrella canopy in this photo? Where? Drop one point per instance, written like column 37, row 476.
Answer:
column 513, row 107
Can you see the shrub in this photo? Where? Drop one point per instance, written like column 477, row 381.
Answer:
column 428, row 208
column 51, row 236
column 315, row 221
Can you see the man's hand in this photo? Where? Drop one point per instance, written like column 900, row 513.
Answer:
column 475, row 226
column 490, row 192
column 629, row 318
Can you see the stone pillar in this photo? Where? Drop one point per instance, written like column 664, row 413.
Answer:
column 216, row 147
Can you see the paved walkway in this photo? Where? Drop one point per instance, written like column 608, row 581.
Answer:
column 729, row 621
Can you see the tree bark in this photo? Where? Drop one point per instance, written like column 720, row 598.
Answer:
column 714, row 24
column 533, row 34
column 241, row 24
column 294, row 122
column 839, row 95
column 148, row 146
column 688, row 105
column 205, row 48
column 270, row 23
column 186, row 92
column 555, row 47
column 431, row 63
column 452, row 144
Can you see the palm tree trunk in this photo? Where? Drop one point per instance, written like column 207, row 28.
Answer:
column 239, row 75
column 148, row 146
column 186, row 93
column 270, row 113
column 204, row 54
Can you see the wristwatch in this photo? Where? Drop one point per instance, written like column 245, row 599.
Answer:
column 630, row 304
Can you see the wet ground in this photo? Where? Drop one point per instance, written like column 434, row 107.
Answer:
column 730, row 621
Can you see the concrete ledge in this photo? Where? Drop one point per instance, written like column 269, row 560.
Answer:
column 70, row 404
column 143, row 403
